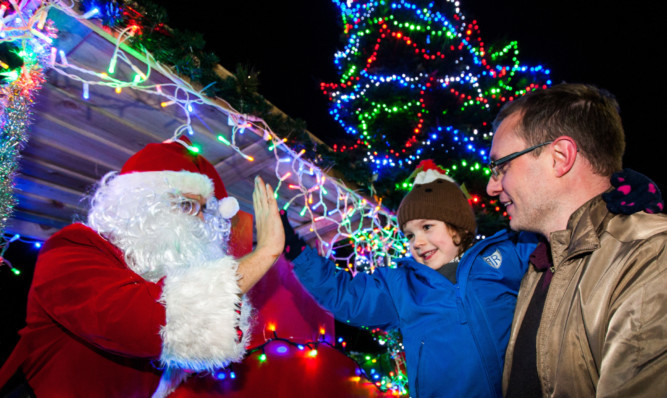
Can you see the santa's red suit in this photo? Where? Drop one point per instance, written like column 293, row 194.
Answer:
column 95, row 328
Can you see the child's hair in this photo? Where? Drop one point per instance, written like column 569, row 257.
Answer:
column 462, row 239
column 436, row 196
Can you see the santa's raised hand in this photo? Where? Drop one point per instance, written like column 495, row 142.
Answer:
column 270, row 236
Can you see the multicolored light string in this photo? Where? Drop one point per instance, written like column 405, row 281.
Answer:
column 365, row 234
column 8, row 239
column 416, row 81
column 370, row 368
column 369, row 230
column 388, row 371
column 4, row 245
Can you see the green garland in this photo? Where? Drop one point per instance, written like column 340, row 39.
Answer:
column 16, row 99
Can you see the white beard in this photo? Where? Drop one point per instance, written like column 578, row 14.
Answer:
column 154, row 236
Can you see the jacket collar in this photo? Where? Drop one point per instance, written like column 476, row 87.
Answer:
column 582, row 233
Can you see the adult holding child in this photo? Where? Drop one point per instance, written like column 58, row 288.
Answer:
column 591, row 315
column 453, row 301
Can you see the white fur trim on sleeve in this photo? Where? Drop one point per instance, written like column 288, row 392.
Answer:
column 171, row 378
column 201, row 303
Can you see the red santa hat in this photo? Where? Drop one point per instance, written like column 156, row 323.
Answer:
column 174, row 163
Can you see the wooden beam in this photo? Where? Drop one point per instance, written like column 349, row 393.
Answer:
column 69, row 149
column 31, row 229
column 62, row 170
column 47, row 189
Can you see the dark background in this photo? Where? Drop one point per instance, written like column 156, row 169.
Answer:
column 292, row 44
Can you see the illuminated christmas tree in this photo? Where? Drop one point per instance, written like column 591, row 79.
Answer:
column 417, row 82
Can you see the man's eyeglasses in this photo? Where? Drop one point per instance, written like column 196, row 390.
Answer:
column 495, row 165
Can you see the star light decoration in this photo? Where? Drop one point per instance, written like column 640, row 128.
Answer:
column 366, row 235
column 417, row 81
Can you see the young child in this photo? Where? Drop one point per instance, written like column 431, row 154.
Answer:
column 453, row 303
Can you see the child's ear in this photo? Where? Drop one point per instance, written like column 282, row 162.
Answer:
column 456, row 238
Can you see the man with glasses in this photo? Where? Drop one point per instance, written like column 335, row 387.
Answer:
column 591, row 316
column 145, row 292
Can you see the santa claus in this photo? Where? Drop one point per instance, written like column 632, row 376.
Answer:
column 144, row 293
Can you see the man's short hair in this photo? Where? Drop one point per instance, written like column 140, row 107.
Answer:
column 583, row 112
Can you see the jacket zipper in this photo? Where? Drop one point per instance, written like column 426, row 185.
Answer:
column 419, row 368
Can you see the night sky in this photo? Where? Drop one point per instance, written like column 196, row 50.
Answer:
column 293, row 43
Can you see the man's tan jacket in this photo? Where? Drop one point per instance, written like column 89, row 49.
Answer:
column 604, row 327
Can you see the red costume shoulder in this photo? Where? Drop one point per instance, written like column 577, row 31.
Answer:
column 79, row 234
column 91, row 321
column 83, row 283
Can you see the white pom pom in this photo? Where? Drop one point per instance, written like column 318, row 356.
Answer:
column 228, row 207
column 425, row 177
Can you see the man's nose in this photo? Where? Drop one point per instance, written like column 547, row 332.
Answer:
column 494, row 187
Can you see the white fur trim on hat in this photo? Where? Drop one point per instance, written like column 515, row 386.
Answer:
column 425, row 177
column 163, row 181
column 228, row 207
column 201, row 304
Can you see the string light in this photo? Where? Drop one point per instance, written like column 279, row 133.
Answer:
column 420, row 113
column 386, row 373
column 6, row 240
column 91, row 13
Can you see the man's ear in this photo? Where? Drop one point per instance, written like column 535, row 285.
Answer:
column 564, row 154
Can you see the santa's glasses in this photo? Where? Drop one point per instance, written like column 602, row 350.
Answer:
column 193, row 207
column 216, row 226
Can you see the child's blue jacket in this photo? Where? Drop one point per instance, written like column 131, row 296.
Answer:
column 454, row 335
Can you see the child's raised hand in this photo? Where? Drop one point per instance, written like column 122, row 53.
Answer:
column 294, row 245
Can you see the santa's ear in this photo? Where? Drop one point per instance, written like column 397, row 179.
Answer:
column 564, row 154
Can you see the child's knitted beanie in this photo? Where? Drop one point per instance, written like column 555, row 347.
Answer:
column 436, row 196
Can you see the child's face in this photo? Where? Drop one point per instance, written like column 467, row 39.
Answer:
column 430, row 242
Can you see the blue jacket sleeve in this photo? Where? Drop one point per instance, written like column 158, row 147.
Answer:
column 364, row 300
column 525, row 245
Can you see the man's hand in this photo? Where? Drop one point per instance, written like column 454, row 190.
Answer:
column 270, row 237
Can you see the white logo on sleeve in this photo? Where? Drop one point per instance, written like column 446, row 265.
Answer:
column 495, row 259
